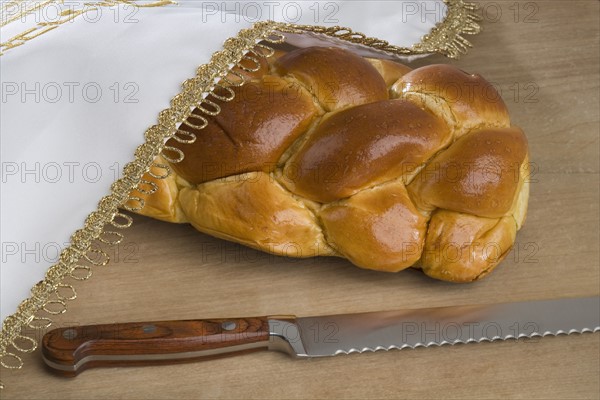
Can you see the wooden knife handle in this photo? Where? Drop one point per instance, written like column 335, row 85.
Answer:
column 71, row 350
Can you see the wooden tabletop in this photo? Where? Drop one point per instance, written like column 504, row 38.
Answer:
column 544, row 57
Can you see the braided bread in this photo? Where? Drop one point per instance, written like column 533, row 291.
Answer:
column 323, row 152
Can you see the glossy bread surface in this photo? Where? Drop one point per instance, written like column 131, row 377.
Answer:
column 362, row 146
column 477, row 174
column 250, row 133
column 323, row 152
column 336, row 77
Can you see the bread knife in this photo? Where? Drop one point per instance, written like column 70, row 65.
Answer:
column 71, row 350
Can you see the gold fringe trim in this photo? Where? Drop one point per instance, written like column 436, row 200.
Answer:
column 446, row 38
column 51, row 295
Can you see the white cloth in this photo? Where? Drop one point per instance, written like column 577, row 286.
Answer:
column 77, row 100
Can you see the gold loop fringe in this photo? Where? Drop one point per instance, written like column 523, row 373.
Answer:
column 40, row 323
column 81, row 273
column 203, row 122
column 180, row 135
column 269, row 50
column 55, row 307
column 72, row 294
column 255, row 68
column 170, row 159
column 16, row 362
column 165, row 167
column 122, row 225
column 216, row 108
column 222, row 88
column 135, row 203
column 153, row 187
column 96, row 257
column 27, row 345
column 235, row 83
column 105, row 237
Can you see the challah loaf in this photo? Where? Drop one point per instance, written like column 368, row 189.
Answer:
column 323, row 152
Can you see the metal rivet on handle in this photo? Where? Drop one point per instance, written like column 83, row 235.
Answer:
column 69, row 334
column 149, row 328
column 228, row 325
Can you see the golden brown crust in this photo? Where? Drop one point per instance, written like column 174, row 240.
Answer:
column 312, row 158
column 463, row 247
column 250, row 133
column 466, row 101
column 519, row 209
column 362, row 146
column 164, row 203
column 377, row 228
column 338, row 78
column 390, row 71
column 477, row 174
column 254, row 210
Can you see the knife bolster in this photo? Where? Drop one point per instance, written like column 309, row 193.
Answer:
column 285, row 336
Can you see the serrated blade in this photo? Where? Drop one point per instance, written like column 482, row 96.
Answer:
column 348, row 333
column 73, row 349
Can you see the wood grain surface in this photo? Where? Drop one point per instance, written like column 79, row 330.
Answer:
column 545, row 60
